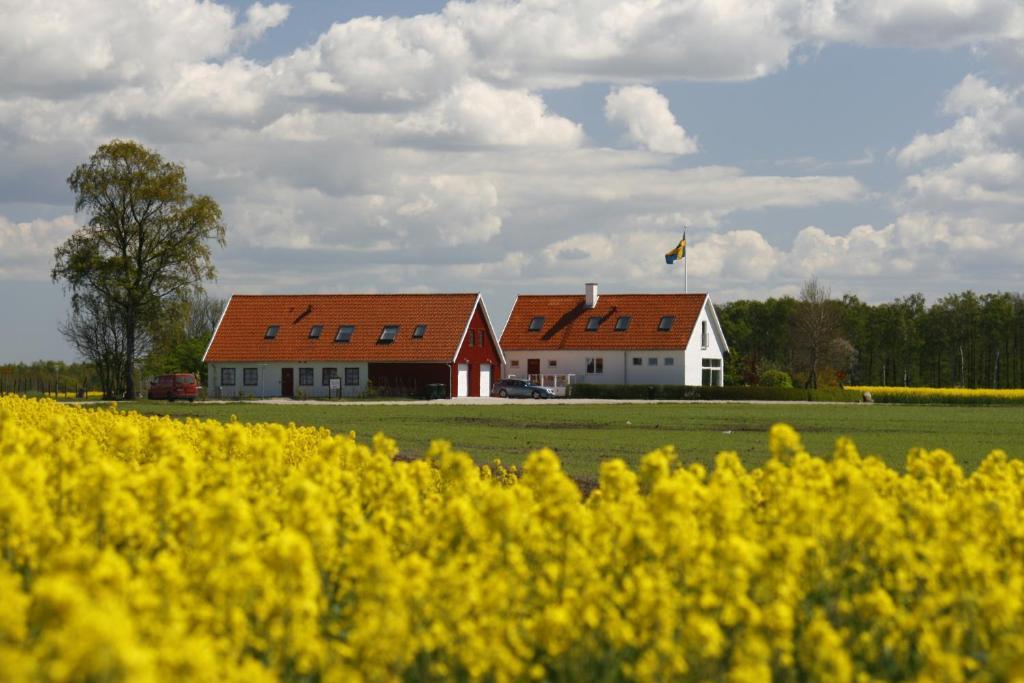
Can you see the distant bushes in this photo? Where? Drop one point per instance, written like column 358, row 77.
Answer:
column 669, row 392
column 776, row 378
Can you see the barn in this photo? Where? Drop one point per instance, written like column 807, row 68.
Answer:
column 294, row 345
column 615, row 338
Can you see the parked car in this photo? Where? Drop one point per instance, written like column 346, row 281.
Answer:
column 520, row 388
column 172, row 387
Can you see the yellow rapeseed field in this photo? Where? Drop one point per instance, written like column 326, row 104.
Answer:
column 141, row 549
column 945, row 393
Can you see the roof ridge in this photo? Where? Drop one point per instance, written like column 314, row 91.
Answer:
column 280, row 295
column 604, row 294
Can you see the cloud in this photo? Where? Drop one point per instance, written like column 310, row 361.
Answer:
column 26, row 249
column 260, row 18
column 646, row 115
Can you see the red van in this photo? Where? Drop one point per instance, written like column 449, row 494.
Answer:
column 172, row 387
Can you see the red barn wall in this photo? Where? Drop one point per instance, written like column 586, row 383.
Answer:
column 485, row 350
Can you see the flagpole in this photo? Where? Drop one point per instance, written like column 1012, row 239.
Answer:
column 686, row 287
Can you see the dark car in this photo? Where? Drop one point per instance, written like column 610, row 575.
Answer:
column 172, row 387
column 520, row 388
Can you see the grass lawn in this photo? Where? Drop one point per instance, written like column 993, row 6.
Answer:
column 583, row 435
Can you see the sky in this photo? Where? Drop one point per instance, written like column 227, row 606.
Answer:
column 530, row 147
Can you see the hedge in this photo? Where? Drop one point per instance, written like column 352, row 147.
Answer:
column 667, row 392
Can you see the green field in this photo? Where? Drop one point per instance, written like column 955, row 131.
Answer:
column 583, row 435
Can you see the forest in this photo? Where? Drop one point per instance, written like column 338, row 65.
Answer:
column 961, row 340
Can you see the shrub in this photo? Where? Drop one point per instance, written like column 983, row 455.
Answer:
column 776, row 378
column 674, row 392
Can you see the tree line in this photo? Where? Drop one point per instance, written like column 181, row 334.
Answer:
column 961, row 340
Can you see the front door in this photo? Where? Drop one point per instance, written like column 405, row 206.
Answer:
column 485, row 379
column 463, row 383
column 533, row 369
column 287, row 382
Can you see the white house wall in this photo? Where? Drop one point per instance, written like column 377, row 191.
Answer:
column 617, row 365
column 269, row 384
column 695, row 354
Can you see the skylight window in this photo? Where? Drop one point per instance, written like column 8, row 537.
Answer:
column 622, row 324
column 537, row 323
column 666, row 323
column 593, row 323
column 388, row 334
column 419, row 332
column 271, row 332
column 314, row 332
column 345, row 333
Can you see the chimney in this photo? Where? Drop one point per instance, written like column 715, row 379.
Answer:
column 591, row 298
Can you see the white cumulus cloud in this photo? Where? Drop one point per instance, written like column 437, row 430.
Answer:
column 645, row 113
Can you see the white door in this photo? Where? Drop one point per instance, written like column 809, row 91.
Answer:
column 485, row 379
column 463, row 380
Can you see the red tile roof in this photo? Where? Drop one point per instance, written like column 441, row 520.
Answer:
column 566, row 317
column 240, row 336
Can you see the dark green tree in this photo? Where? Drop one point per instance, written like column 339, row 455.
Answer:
column 147, row 242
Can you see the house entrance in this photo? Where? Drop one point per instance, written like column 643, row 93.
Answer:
column 287, row 381
column 533, row 369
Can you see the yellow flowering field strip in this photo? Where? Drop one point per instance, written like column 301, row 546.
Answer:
column 943, row 395
column 149, row 549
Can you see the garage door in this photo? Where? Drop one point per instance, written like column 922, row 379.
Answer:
column 485, row 379
column 463, row 380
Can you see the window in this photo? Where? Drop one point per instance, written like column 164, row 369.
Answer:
column 345, row 333
column 652, row 361
column 227, row 377
column 305, row 377
column 666, row 323
column 552, row 363
column 537, row 323
column 419, row 332
column 703, row 334
column 711, row 372
column 622, row 324
column 669, row 360
column 250, row 376
column 271, row 332
column 326, row 375
column 638, row 361
column 388, row 334
column 593, row 323
column 351, row 377
column 514, row 363
column 314, row 332
column 472, row 337
column 595, row 365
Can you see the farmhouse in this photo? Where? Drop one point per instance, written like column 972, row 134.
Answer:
column 294, row 345
column 615, row 338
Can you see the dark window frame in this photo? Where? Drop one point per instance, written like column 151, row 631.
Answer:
column 536, row 323
column 344, row 338
column 348, row 377
column 223, row 381
column 622, row 324
column 387, row 337
column 246, row 373
column 315, row 331
column 271, row 332
column 595, row 366
column 666, row 323
column 637, row 360
column 307, row 372
column 419, row 331
column 593, row 323
column 326, row 375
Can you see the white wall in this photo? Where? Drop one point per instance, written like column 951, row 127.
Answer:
column 270, row 380
column 695, row 355
column 617, row 364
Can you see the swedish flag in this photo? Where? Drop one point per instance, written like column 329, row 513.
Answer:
column 677, row 252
